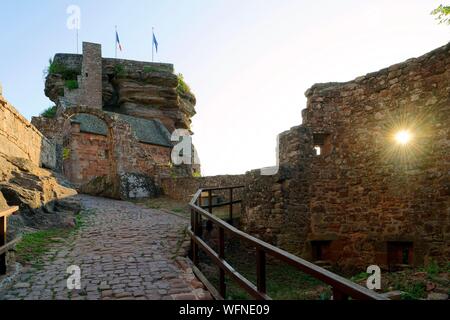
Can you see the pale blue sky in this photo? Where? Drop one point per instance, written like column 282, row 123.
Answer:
column 249, row 62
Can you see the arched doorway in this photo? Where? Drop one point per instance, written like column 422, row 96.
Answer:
column 87, row 148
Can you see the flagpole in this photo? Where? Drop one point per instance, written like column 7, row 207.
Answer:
column 77, row 27
column 115, row 43
column 153, row 43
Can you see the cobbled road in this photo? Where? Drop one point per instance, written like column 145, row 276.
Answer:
column 124, row 251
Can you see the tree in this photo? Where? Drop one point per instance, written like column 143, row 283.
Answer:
column 442, row 14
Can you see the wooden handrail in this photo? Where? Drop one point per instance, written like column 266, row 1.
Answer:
column 9, row 245
column 342, row 287
column 4, row 247
column 8, row 212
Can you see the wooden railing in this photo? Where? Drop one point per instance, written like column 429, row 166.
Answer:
column 342, row 288
column 4, row 247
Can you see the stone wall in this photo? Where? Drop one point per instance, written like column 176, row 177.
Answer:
column 87, row 156
column 19, row 138
column 364, row 193
column 113, row 157
column 183, row 189
column 276, row 208
column 91, row 76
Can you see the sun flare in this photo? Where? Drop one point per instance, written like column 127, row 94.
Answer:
column 403, row 137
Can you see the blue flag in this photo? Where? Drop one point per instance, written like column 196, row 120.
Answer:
column 155, row 43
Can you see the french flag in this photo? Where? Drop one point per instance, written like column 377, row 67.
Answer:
column 118, row 41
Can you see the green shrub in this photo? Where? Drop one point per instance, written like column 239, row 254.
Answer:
column 58, row 68
column 71, row 84
column 50, row 112
column 54, row 67
column 182, row 88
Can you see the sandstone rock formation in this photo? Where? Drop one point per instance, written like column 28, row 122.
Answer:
column 45, row 199
column 140, row 89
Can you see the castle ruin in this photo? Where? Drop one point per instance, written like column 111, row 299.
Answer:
column 347, row 193
column 114, row 120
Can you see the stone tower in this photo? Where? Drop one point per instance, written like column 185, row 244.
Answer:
column 91, row 76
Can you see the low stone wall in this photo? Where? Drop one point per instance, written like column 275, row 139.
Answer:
column 184, row 188
column 19, row 138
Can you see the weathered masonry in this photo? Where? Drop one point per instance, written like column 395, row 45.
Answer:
column 113, row 123
column 347, row 192
column 18, row 138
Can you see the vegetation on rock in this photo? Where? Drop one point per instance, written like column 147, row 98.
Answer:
column 183, row 87
column 55, row 68
column 50, row 112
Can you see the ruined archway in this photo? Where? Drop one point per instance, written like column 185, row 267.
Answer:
column 88, row 145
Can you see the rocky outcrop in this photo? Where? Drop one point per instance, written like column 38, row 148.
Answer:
column 140, row 89
column 45, row 200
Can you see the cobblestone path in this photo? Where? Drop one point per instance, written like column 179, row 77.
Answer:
column 124, row 251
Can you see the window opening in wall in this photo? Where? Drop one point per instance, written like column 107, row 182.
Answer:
column 321, row 250
column 399, row 254
column 318, row 150
column 322, row 144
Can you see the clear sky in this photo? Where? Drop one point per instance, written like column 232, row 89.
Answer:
column 249, row 62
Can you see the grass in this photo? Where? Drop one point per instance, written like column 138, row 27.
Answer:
column 34, row 245
column 50, row 112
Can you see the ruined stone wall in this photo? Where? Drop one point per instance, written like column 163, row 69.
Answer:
column 115, row 160
column 365, row 191
column 19, row 138
column 183, row 189
column 276, row 208
column 51, row 128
